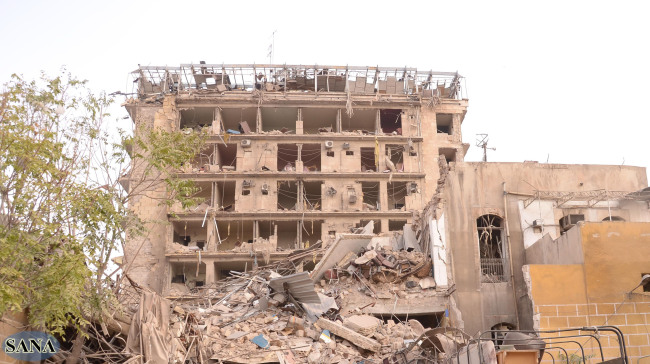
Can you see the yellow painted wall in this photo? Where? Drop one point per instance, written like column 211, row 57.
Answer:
column 616, row 254
column 598, row 291
column 553, row 284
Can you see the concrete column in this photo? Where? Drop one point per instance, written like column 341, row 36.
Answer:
column 210, row 272
column 299, row 191
column 384, row 225
column 212, row 240
column 377, row 121
column 338, row 121
column 455, row 128
column 383, row 196
column 216, row 123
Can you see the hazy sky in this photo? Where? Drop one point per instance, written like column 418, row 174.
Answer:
column 567, row 82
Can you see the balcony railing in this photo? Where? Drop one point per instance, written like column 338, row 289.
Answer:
column 493, row 270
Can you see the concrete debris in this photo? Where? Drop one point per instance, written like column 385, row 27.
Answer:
column 358, row 339
column 276, row 314
column 427, row 282
column 363, row 324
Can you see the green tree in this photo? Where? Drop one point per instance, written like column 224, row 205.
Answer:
column 63, row 212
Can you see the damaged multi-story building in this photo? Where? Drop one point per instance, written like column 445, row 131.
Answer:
column 304, row 155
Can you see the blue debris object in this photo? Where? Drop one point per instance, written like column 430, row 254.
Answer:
column 260, row 341
column 230, row 131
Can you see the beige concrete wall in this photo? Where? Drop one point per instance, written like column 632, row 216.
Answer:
column 474, row 189
column 145, row 256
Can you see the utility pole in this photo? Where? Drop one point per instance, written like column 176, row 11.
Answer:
column 482, row 142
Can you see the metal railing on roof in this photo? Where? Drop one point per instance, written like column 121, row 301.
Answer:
column 283, row 78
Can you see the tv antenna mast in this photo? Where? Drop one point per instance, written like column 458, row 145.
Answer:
column 271, row 48
column 482, row 142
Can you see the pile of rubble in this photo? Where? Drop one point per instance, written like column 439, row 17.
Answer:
column 285, row 315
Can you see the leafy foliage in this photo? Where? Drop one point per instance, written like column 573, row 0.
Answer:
column 63, row 212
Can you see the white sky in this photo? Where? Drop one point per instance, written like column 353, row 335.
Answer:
column 565, row 81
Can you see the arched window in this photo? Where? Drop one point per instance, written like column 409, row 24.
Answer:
column 613, row 218
column 499, row 331
column 491, row 248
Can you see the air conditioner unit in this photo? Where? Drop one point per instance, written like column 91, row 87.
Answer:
column 329, row 144
column 246, row 143
column 352, row 195
column 569, row 221
column 346, row 145
column 247, row 184
column 538, row 223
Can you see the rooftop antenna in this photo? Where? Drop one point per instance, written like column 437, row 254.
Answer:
column 482, row 142
column 271, row 48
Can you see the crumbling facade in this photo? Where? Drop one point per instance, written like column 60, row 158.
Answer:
column 325, row 156
column 296, row 155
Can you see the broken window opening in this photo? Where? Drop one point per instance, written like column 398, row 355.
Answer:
column 349, row 152
column 203, row 195
column 233, row 235
column 390, row 121
column 229, row 268
column 396, row 195
column 395, row 153
column 370, row 192
column 266, row 229
column 225, row 196
column 449, row 153
column 233, row 118
column 444, row 123
column 427, row 320
column 201, row 161
column 184, row 277
column 368, row 160
column 197, row 118
column 226, row 157
column 287, row 235
column 330, row 153
column 287, row 195
column 311, row 231
column 377, row 225
column 287, row 157
column 362, row 121
column 318, row 121
column 281, row 119
column 491, row 248
column 312, row 195
column 189, row 234
column 181, row 239
column 396, row 225
column 311, row 157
